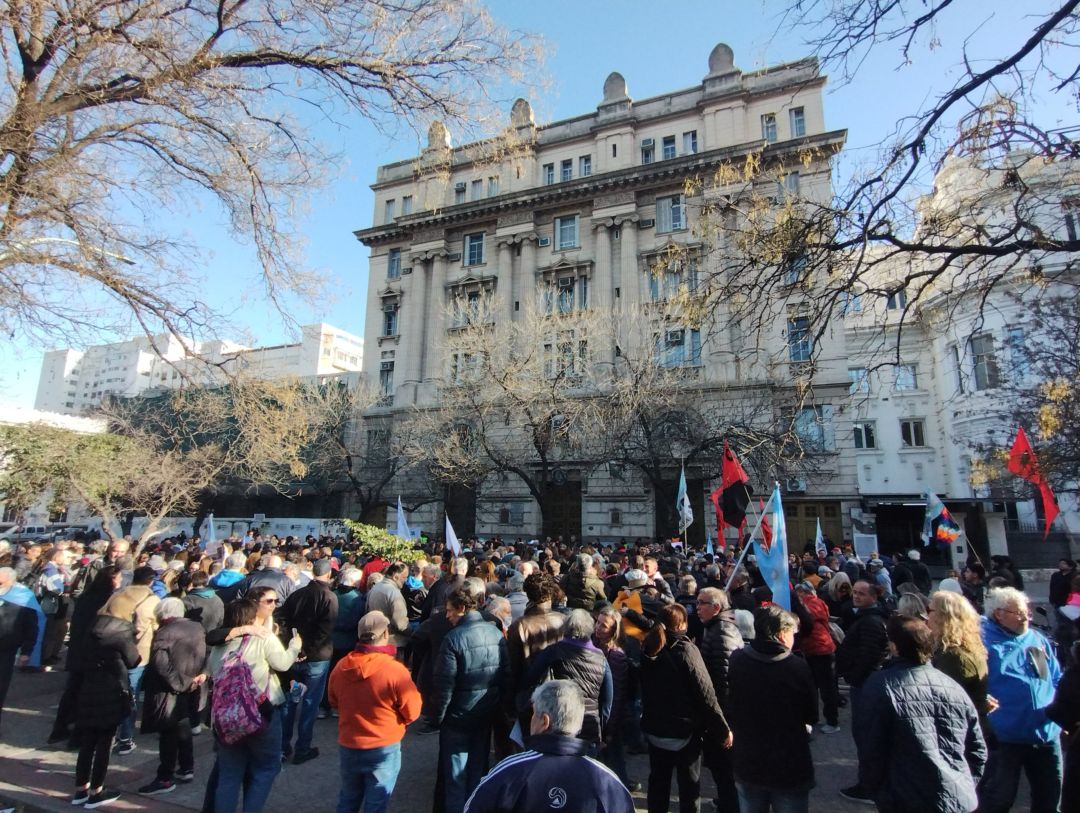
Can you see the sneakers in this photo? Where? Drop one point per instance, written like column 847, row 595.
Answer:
column 323, row 715
column 305, row 756
column 196, row 730
column 81, row 796
column 856, row 793
column 124, row 747
column 184, row 776
column 829, row 729
column 157, row 787
column 106, row 797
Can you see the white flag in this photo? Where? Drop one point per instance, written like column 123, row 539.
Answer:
column 451, row 538
column 402, row 526
column 819, row 540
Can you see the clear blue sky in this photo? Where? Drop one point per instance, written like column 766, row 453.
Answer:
column 657, row 48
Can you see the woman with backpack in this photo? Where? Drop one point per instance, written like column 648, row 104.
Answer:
column 248, row 703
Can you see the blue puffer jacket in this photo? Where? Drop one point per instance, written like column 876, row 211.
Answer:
column 471, row 673
column 921, row 749
column 1015, row 683
column 554, row 774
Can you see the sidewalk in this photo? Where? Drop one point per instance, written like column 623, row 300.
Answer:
column 36, row 778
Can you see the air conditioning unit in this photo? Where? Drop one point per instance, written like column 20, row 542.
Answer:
column 796, row 485
column 389, row 307
column 648, row 223
column 675, row 337
column 407, row 270
column 386, row 365
column 460, row 186
column 648, row 142
column 454, row 258
column 544, row 242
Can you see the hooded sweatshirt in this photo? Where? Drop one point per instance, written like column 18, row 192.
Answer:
column 374, row 696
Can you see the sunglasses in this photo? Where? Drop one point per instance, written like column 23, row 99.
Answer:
column 268, row 601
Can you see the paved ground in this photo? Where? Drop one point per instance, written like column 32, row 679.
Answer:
column 35, row 777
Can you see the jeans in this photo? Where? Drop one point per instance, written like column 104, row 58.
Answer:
column 368, row 776
column 127, row 726
column 256, row 758
column 756, row 799
column 463, row 761
column 1041, row 763
column 821, row 667
column 312, row 674
column 686, row 763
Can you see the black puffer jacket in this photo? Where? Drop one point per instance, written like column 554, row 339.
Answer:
column 677, row 694
column 720, row 640
column 865, row 646
column 587, row 667
column 920, row 745
column 105, row 695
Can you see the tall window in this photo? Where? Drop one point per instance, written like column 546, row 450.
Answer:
column 566, row 355
column 689, row 142
column 386, row 378
column 795, row 269
column 1018, row 354
column 813, row 425
column 800, row 343
column 958, row 368
column 679, row 348
column 406, row 205
column 907, row 377
column 664, row 281
column 393, row 263
column 897, row 300
column 493, row 186
column 474, row 249
column 388, row 211
column 390, row 319
column 669, row 148
column 648, row 152
column 566, row 232
column 1071, row 210
column 913, row 433
column 859, row 380
column 864, row 435
column 768, row 127
column 788, row 186
column 984, row 362
column 670, row 214
column 549, row 174
column 850, row 302
column 566, row 170
column 477, row 189
column 585, row 166
column 798, row 122
column 567, row 294
column 459, row 193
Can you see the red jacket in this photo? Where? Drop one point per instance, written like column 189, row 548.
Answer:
column 818, row 639
column 374, row 696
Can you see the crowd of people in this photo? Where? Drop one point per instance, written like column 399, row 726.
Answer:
column 541, row 666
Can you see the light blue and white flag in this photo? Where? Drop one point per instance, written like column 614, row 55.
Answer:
column 451, row 538
column 772, row 555
column 708, row 543
column 819, row 541
column 402, row 526
column 682, row 504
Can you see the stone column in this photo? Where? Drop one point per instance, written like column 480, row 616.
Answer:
column 436, row 319
column 412, row 327
column 503, row 305
column 602, row 285
column 527, row 273
column 635, row 288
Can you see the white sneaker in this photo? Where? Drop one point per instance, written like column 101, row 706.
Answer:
column 829, row 729
column 196, row 730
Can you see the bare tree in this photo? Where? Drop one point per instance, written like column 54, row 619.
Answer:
column 116, row 115
column 1002, row 174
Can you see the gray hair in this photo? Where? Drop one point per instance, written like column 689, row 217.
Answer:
column 713, row 571
column 1001, row 598
column 459, row 566
column 716, row 597
column 838, row 580
column 562, row 702
column 498, row 605
column 744, row 620
column 169, row 608
column 236, row 561
column 912, row 605
column 351, row 577
column 579, row 625
column 432, row 570
column 476, row 588
column 516, row 582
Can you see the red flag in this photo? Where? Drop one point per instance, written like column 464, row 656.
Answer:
column 732, row 497
column 1023, row 464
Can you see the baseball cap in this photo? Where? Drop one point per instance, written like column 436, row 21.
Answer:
column 372, row 626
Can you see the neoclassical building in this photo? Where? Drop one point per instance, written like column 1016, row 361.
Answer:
column 578, row 211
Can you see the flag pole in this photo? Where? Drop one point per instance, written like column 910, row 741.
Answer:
column 745, row 550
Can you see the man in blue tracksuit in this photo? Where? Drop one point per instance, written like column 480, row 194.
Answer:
column 554, row 774
column 1024, row 673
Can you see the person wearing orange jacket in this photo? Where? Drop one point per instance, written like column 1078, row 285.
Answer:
column 375, row 699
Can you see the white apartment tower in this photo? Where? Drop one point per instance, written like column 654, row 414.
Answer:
column 582, row 207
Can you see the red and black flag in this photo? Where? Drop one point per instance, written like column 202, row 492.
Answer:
column 733, row 495
column 1023, row 464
